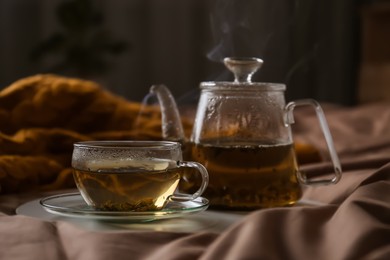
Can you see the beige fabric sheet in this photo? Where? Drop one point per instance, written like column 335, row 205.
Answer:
column 353, row 224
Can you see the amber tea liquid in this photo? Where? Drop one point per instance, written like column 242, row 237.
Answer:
column 249, row 177
column 130, row 186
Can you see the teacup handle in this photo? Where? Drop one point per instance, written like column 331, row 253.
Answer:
column 205, row 181
column 328, row 138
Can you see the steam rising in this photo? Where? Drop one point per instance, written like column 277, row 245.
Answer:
column 260, row 28
column 247, row 28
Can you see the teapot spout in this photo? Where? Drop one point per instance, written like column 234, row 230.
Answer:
column 172, row 128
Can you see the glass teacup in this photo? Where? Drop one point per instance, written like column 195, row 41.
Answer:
column 132, row 175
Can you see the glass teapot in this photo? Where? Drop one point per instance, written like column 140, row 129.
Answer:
column 242, row 135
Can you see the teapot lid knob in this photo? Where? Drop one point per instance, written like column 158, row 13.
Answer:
column 243, row 68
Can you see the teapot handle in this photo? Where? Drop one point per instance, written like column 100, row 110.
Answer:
column 328, row 138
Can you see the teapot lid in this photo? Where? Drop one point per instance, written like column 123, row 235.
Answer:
column 243, row 69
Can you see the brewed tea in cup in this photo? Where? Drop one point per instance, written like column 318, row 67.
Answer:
column 132, row 175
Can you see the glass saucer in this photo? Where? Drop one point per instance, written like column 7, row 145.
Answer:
column 73, row 205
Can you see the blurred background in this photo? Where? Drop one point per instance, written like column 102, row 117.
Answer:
column 332, row 50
